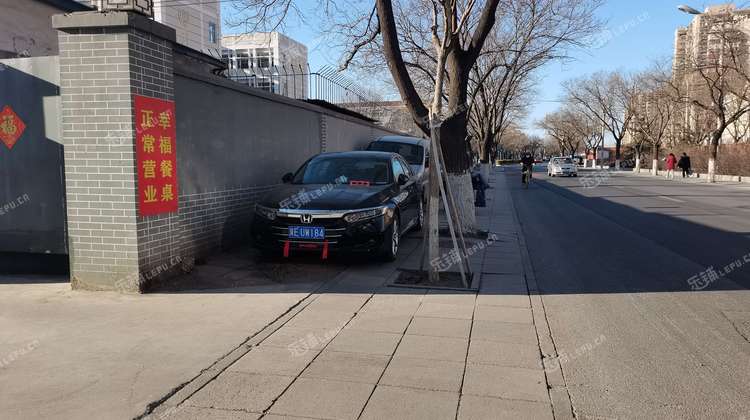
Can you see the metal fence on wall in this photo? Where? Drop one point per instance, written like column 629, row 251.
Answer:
column 299, row 82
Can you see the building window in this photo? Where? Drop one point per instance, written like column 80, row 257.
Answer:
column 212, row 32
column 243, row 59
column 264, row 57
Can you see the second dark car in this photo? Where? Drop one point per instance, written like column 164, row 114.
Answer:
column 348, row 201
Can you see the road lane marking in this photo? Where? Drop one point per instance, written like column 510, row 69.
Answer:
column 671, row 199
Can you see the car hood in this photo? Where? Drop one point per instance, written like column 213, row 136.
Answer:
column 564, row 165
column 327, row 196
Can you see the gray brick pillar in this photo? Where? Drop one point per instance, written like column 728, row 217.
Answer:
column 105, row 59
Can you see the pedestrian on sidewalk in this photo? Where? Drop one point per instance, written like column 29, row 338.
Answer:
column 671, row 163
column 684, row 164
column 480, row 184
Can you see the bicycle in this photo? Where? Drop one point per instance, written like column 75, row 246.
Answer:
column 526, row 177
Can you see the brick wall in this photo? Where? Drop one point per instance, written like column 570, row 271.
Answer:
column 99, row 155
column 151, row 74
column 104, row 60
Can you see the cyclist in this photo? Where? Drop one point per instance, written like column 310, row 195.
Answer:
column 528, row 165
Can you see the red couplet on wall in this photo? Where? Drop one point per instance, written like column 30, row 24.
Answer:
column 156, row 155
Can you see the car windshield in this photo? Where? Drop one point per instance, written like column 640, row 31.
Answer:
column 343, row 170
column 563, row 160
column 413, row 153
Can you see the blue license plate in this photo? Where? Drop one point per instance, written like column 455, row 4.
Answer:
column 307, row 232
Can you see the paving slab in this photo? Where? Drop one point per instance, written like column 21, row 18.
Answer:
column 486, row 408
column 368, row 342
column 353, row 367
column 406, row 403
column 301, row 338
column 436, row 375
column 449, row 297
column 505, row 332
column 320, row 318
column 274, row 361
column 504, row 354
column 380, row 321
column 445, row 310
column 435, row 348
column 514, row 300
column 405, row 303
column 339, row 302
column 505, row 382
column 503, row 314
column 185, row 412
column 440, row 327
column 240, row 391
column 323, row 399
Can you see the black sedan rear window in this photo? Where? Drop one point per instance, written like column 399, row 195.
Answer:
column 344, row 170
column 411, row 152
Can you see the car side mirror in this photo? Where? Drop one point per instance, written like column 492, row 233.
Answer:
column 427, row 161
column 402, row 179
column 287, row 178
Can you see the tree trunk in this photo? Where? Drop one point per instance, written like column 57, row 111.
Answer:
column 713, row 150
column 593, row 162
column 487, row 143
column 655, row 161
column 454, row 131
column 637, row 168
column 463, row 194
column 618, row 146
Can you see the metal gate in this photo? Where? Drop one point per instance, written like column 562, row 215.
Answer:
column 32, row 185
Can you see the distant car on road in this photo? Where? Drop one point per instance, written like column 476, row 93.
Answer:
column 347, row 201
column 414, row 150
column 562, row 166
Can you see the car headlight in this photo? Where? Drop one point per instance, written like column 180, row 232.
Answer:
column 266, row 212
column 365, row 214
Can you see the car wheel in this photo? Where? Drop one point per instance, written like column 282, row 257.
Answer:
column 575, row 175
column 391, row 241
column 420, row 217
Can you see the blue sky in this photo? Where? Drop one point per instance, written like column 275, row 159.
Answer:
column 637, row 33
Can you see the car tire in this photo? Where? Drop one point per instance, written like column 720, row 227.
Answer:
column 575, row 175
column 391, row 241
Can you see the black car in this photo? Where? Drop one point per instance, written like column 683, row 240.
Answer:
column 348, row 201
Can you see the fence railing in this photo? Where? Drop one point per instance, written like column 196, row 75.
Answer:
column 299, row 82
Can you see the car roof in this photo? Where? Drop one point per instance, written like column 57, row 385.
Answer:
column 402, row 139
column 359, row 154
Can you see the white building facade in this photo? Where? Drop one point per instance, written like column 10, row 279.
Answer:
column 267, row 60
column 197, row 23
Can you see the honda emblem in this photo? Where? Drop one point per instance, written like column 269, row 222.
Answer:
column 306, row 218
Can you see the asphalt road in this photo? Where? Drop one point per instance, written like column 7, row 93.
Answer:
column 613, row 263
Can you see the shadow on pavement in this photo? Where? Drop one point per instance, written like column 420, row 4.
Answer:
column 582, row 244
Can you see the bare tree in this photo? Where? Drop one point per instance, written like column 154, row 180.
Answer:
column 529, row 35
column 606, row 97
column 559, row 126
column 588, row 128
column 653, row 111
column 716, row 83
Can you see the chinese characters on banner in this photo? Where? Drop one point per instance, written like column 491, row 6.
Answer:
column 156, row 155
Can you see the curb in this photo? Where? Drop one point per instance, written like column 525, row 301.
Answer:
column 562, row 407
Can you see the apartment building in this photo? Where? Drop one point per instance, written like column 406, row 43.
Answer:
column 713, row 37
column 267, row 60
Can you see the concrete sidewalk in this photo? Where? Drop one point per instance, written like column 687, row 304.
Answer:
column 689, row 180
column 102, row 355
column 359, row 349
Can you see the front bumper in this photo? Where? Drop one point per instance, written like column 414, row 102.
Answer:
column 340, row 236
column 564, row 173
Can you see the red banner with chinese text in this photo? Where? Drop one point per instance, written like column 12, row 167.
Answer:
column 156, row 155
